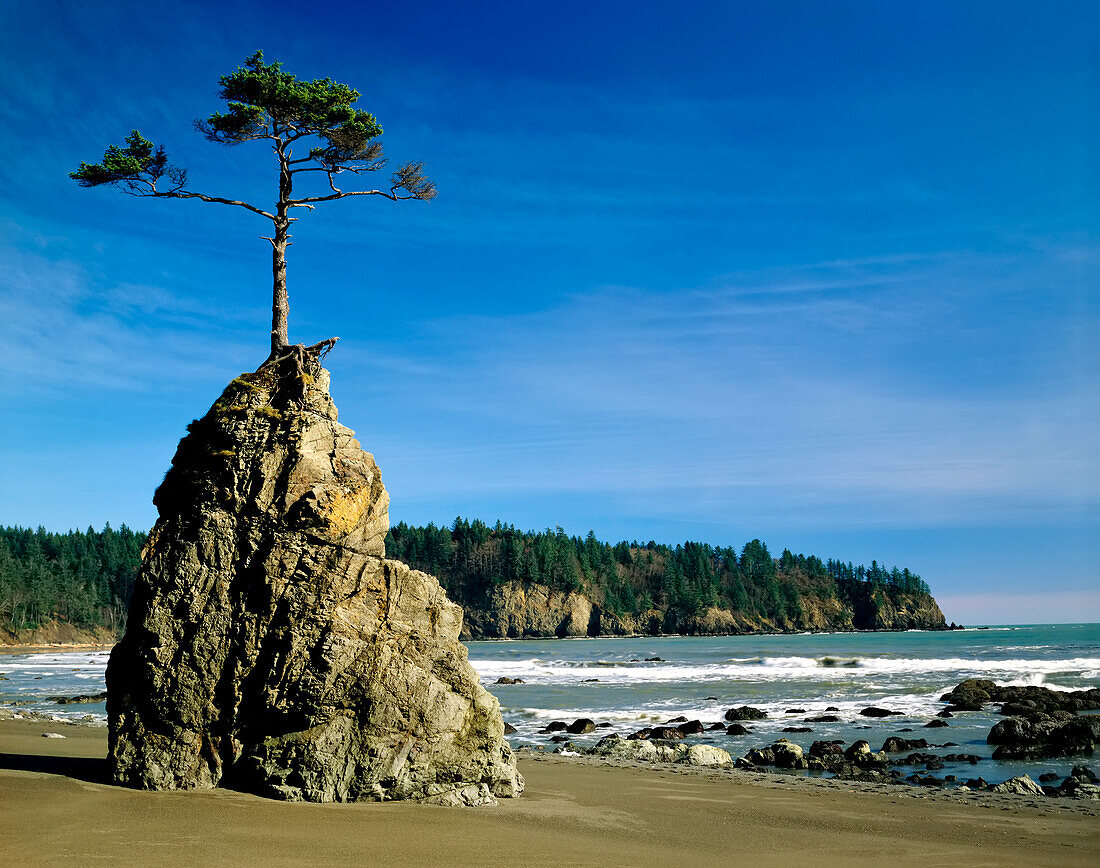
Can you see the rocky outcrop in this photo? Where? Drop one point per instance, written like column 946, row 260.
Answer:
column 518, row 609
column 271, row 646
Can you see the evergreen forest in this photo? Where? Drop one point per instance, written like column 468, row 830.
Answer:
column 86, row 577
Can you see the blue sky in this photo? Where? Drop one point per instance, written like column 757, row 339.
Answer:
column 823, row 274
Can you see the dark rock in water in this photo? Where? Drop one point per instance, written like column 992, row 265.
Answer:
column 737, row 729
column 973, row 759
column 798, row 729
column 643, row 733
column 271, row 646
column 823, row 718
column 654, row 660
column 504, row 679
column 716, row 726
column 560, row 739
column 832, row 708
column 666, row 732
column 1047, row 777
column 761, row 756
column 605, row 726
column 83, row 698
column 973, row 693
column 509, row 729
column 946, row 712
column 1083, row 773
column 1045, row 735
column 896, row 745
column 680, row 719
column 977, row 783
column 929, row 761
column 692, row 727
column 589, row 680
column 874, row 711
column 581, row 725
column 860, row 754
column 827, row 748
column 795, row 711
column 555, row 726
column 936, row 722
column 745, row 712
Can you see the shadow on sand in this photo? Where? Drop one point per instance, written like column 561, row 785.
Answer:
column 88, row 769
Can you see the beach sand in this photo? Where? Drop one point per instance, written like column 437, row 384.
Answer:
column 57, row 808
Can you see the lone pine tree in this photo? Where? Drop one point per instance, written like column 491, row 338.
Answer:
column 267, row 104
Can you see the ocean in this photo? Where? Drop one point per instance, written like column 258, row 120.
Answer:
column 618, row 682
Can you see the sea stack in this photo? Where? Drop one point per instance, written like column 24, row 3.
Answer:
column 271, row 646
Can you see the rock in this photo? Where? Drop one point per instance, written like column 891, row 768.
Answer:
column 654, row 660
column 666, row 732
column 973, row 693
column 509, row 729
column 795, row 711
column 82, row 698
column 936, row 722
column 52, row 735
column 504, row 679
column 745, row 712
column 831, row 708
column 929, row 761
column 636, row 749
column 555, row 726
column 707, row 755
column 823, row 718
column 874, row 711
column 560, row 739
column 581, row 726
column 1045, row 735
column 861, row 755
column 1083, row 773
column 1022, row 786
column 761, row 756
column 642, row 733
column 1047, row 777
column 270, row 646
column 692, row 727
column 827, row 748
column 715, row 726
column 737, row 729
column 945, row 713
column 897, row 745
column 675, row 720
column 788, row 755
column 1076, row 788
column 589, row 680
column 798, row 729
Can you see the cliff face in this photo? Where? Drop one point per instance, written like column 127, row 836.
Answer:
column 271, row 646
column 515, row 610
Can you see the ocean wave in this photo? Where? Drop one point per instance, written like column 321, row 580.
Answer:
column 790, row 668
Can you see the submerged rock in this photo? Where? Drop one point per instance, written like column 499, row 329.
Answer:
column 271, row 646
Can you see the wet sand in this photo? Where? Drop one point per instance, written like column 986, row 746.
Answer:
column 58, row 808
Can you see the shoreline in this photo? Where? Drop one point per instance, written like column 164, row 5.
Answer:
column 576, row 811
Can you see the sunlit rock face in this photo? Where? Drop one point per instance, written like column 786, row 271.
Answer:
column 271, row 646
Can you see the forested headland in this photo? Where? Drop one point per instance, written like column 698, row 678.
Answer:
column 85, row 578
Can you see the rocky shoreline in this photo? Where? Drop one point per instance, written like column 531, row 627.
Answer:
column 1039, row 723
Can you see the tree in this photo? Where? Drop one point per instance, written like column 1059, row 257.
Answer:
column 267, row 104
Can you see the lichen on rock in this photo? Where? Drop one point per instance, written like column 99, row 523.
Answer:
column 271, row 646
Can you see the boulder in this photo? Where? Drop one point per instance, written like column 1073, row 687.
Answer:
column 897, row 745
column 509, row 729
column 706, row 755
column 666, row 732
column 692, row 727
column 823, row 718
column 737, row 729
column 745, row 712
column 936, row 723
column 555, row 726
column 271, row 646
column 788, row 755
column 875, row 711
column 580, row 726
column 504, row 679
column 1045, row 735
column 827, row 749
column 1021, row 786
column 860, row 754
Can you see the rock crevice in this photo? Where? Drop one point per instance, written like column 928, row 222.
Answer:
column 271, row 646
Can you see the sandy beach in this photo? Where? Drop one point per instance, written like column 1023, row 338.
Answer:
column 58, row 808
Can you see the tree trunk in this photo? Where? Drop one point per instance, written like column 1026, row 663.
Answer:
column 280, row 305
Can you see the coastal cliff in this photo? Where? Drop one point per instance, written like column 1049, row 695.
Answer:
column 516, row 609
